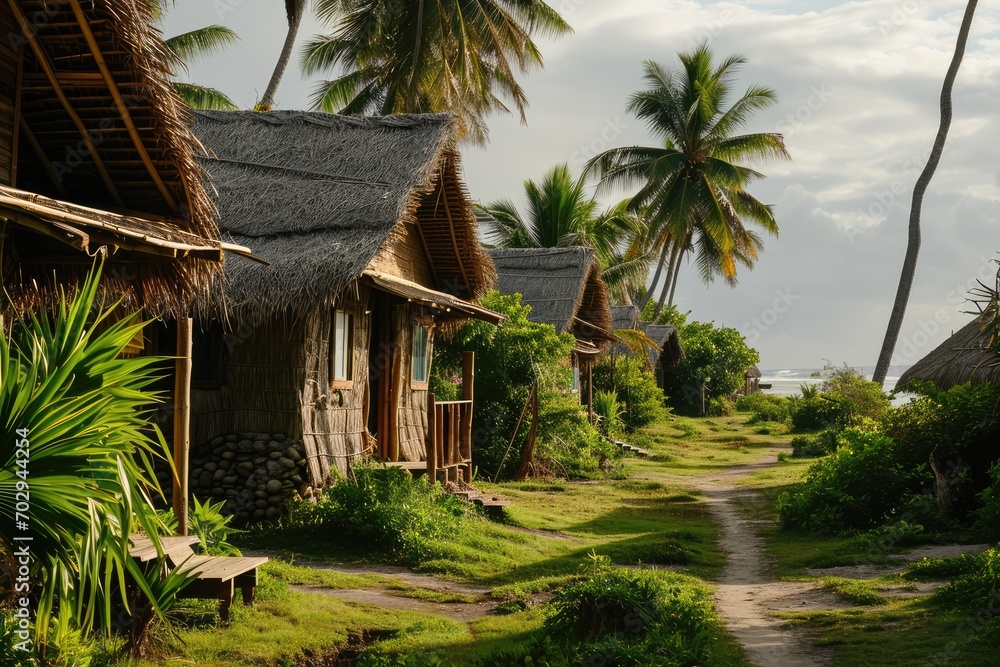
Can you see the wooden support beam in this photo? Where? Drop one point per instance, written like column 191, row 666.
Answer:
column 182, row 421
column 468, row 376
column 431, row 443
column 28, row 32
column 454, row 241
column 16, row 125
column 140, row 146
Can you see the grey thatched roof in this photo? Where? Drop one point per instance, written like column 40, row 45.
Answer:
column 753, row 372
column 317, row 195
column 624, row 317
column 670, row 353
column 965, row 357
column 563, row 286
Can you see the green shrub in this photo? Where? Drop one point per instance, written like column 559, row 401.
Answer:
column 978, row 589
column 609, row 412
column 809, row 414
column 764, row 407
column 508, row 358
column 629, row 617
column 720, row 406
column 855, row 396
column 383, row 508
column 857, row 487
column 213, row 529
column 716, row 357
column 636, row 388
column 988, row 515
column 814, row 446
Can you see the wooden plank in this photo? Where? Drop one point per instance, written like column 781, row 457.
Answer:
column 431, row 434
column 182, row 421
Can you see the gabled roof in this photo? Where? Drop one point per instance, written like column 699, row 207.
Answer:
column 965, row 357
column 563, row 286
column 317, row 195
column 624, row 317
column 670, row 353
column 95, row 130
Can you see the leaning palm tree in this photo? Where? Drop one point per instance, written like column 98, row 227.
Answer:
column 560, row 213
column 429, row 56
column 924, row 180
column 294, row 10
column 191, row 45
column 692, row 186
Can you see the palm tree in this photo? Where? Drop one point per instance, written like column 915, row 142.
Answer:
column 560, row 214
column 429, row 56
column 913, row 240
column 295, row 10
column 693, row 185
column 195, row 44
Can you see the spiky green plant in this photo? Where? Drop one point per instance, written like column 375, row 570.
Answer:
column 610, row 411
column 76, row 439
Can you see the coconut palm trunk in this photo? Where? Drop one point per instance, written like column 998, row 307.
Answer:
column 656, row 275
column 295, row 9
column 675, row 262
column 913, row 241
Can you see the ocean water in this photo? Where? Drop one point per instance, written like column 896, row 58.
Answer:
column 788, row 381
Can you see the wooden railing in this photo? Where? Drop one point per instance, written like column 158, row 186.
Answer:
column 449, row 440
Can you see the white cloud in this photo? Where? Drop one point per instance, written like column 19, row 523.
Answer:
column 878, row 65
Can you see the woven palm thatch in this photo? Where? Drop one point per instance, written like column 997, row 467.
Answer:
column 95, row 122
column 624, row 317
column 670, row 353
column 317, row 195
column 563, row 286
column 965, row 357
column 753, row 372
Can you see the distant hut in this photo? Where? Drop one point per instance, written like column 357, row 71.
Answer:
column 564, row 288
column 752, row 381
column 624, row 317
column 664, row 360
column 966, row 357
column 96, row 156
column 373, row 251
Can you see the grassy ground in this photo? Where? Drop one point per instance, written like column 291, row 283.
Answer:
column 649, row 519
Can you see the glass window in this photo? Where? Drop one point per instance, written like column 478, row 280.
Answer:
column 341, row 346
column 421, row 360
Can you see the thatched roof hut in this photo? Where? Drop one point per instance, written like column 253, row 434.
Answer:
column 563, row 286
column 966, row 357
column 753, row 373
column 95, row 126
column 670, row 353
column 624, row 317
column 319, row 195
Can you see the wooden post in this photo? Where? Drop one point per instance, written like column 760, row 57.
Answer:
column 431, row 438
column 182, row 421
column 468, row 375
column 590, row 392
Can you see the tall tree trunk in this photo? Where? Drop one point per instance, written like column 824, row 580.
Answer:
column 412, row 92
column 913, row 243
column 673, row 282
column 294, row 21
column 656, row 275
column 675, row 261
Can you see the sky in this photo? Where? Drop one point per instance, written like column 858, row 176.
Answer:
column 858, row 86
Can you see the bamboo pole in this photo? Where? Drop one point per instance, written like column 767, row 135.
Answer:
column 431, row 437
column 468, row 375
column 182, row 421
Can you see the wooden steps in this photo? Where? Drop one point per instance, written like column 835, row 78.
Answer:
column 492, row 505
column 631, row 449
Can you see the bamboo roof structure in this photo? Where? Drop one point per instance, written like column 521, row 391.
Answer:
column 93, row 123
column 966, row 357
column 317, row 195
column 670, row 353
column 563, row 286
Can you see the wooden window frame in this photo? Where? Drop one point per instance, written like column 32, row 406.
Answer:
column 347, row 383
column 420, row 385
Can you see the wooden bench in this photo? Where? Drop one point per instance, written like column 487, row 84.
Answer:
column 217, row 576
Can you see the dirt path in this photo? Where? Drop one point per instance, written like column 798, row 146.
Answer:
column 456, row 611
column 747, row 598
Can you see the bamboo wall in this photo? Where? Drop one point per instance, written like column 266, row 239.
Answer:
column 404, row 256
column 335, row 421
column 411, row 410
column 263, row 371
